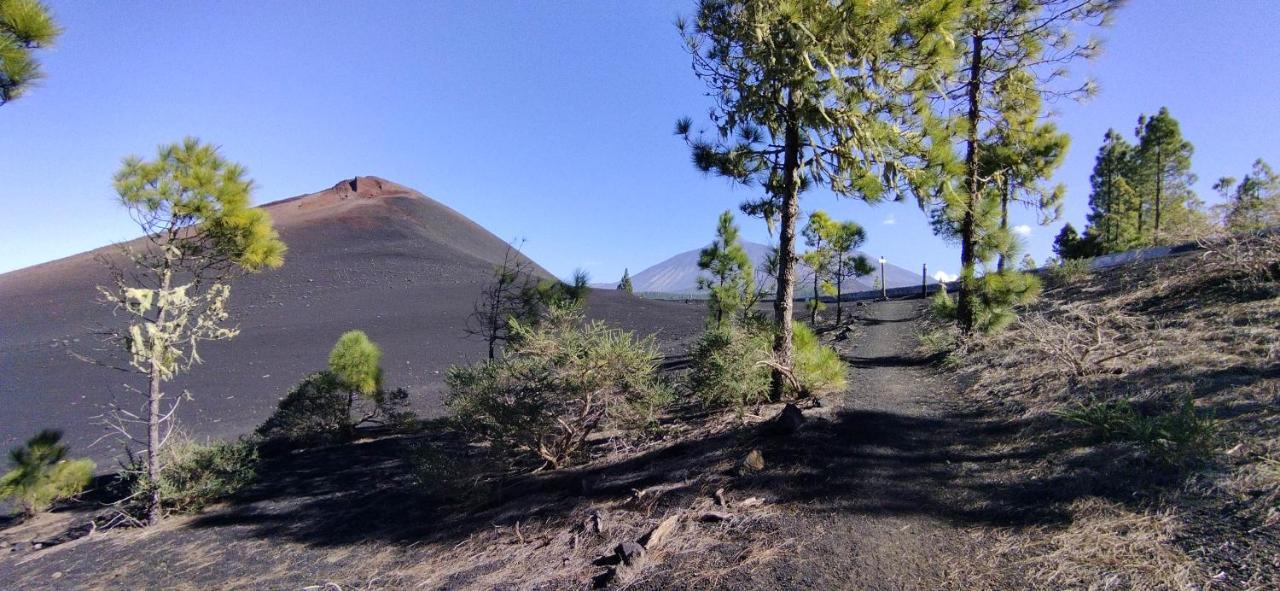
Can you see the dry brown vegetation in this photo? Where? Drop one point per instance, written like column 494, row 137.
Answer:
column 1203, row 327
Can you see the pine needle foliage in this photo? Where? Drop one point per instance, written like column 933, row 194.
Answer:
column 729, row 275
column 1013, row 58
column 42, row 474
column 356, row 362
column 25, row 26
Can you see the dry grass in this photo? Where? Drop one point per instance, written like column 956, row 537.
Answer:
column 1203, row 326
column 1107, row 546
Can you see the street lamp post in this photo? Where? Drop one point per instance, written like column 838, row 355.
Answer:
column 884, row 295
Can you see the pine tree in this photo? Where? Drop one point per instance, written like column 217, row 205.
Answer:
column 809, row 93
column 730, row 278
column 200, row 231
column 625, row 284
column 25, row 26
column 1162, row 175
column 1113, row 204
column 1254, row 203
column 1012, row 49
column 818, row 258
column 845, row 238
column 1067, row 244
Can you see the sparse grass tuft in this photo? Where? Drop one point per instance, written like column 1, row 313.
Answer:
column 1177, row 437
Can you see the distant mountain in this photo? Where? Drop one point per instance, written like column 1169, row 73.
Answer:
column 679, row 274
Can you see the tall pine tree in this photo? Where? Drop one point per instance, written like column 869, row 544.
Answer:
column 1113, row 204
column 1012, row 48
column 813, row 93
column 1162, row 175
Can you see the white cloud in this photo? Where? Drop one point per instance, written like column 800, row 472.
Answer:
column 944, row 277
column 889, row 221
column 1022, row 230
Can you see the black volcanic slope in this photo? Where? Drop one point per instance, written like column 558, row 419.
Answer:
column 365, row 254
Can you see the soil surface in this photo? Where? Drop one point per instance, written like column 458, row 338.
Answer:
column 881, row 488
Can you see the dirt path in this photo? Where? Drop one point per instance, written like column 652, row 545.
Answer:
column 886, row 474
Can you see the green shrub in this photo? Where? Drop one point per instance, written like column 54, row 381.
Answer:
column 938, row 341
column 42, row 475
column 729, row 367
column 1175, row 437
column 560, row 381
column 315, row 412
column 1069, row 271
column 818, row 367
column 194, row 475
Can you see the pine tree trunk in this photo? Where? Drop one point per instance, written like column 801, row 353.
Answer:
column 966, row 309
column 839, row 292
column 1004, row 221
column 783, row 303
column 813, row 310
column 154, row 395
column 1159, row 186
column 153, row 443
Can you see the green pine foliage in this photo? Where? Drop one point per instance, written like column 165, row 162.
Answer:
column 818, row 367
column 42, row 474
column 1014, row 56
column 1254, row 203
column 625, row 284
column 1141, row 193
column 731, row 366
column 25, row 26
column 356, row 362
column 845, row 239
column 561, row 381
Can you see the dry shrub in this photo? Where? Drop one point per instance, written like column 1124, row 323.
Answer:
column 1079, row 342
column 1250, row 260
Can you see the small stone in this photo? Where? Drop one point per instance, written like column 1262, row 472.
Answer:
column 661, row 532
column 630, row 554
column 787, row 421
column 714, row 516
column 57, row 575
column 754, row 462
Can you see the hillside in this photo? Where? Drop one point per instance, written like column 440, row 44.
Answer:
column 679, row 274
column 941, row 467
column 366, row 253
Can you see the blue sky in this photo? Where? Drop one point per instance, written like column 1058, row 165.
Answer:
column 549, row 121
